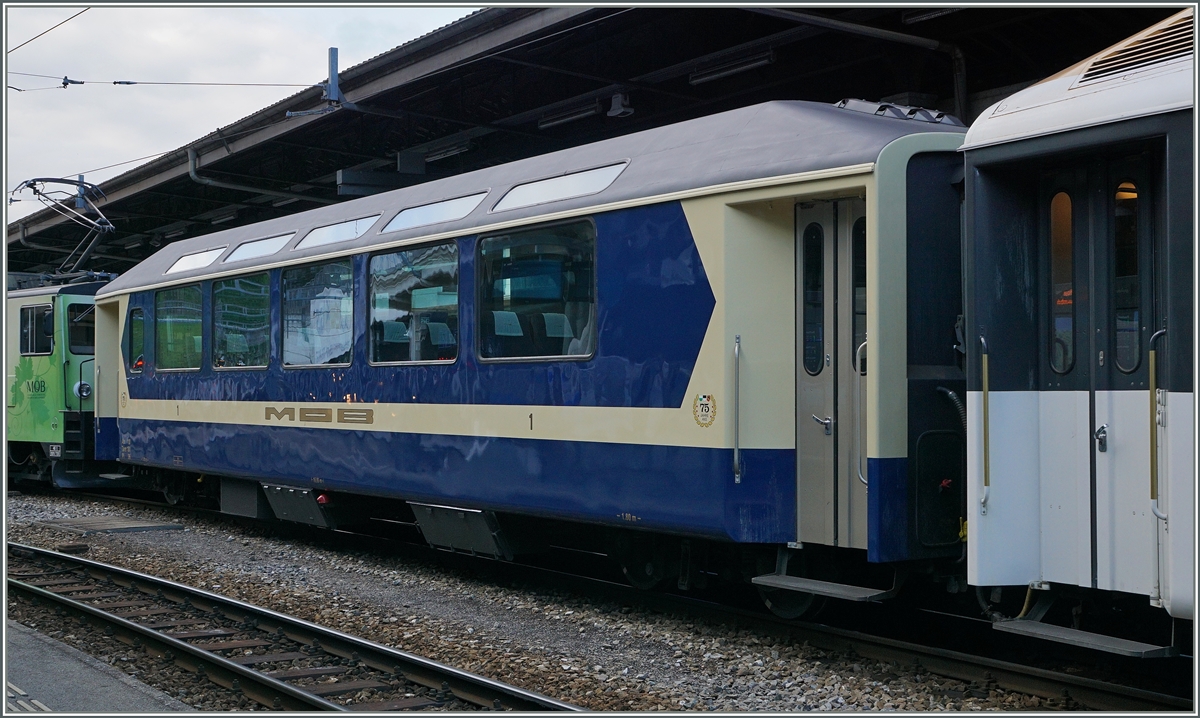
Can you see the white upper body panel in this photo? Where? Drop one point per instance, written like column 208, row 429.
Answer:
column 1150, row 73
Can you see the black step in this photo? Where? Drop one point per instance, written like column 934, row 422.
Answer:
column 1084, row 639
column 823, row 588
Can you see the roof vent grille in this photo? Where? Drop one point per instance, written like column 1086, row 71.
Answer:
column 1163, row 45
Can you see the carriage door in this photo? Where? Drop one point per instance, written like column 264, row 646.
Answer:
column 1124, row 321
column 1097, row 526
column 832, row 508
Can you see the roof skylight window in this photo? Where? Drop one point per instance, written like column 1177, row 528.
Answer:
column 576, row 184
column 199, row 260
column 341, row 232
column 444, row 211
column 258, row 248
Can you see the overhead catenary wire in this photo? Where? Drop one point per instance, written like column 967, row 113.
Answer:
column 64, row 22
column 155, row 82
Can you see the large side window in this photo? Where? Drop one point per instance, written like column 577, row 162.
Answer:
column 1062, row 287
column 37, row 329
column 414, row 304
column 1127, row 297
column 178, row 329
column 81, row 328
column 135, row 342
column 318, row 314
column 813, row 279
column 537, row 295
column 242, row 321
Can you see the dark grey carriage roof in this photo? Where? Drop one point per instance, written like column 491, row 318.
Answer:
column 757, row 142
column 83, row 289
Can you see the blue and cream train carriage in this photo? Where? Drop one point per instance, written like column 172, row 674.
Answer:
column 736, row 330
column 1080, row 319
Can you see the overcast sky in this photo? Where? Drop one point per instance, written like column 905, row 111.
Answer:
column 61, row 133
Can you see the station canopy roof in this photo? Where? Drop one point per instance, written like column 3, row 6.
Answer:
column 508, row 83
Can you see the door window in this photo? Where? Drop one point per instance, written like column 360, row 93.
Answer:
column 858, row 249
column 37, row 329
column 1126, row 287
column 135, row 346
column 1062, row 286
column 813, row 279
column 81, row 328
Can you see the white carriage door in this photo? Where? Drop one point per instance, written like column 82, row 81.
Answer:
column 1123, row 322
column 852, row 388
column 816, row 372
column 1097, row 528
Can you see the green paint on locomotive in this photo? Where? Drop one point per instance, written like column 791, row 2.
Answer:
column 41, row 385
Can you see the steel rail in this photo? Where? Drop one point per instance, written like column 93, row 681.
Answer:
column 1044, row 683
column 417, row 669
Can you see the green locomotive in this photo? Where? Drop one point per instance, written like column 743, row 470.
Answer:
column 49, row 367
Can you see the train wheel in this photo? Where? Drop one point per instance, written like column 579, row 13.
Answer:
column 642, row 574
column 791, row 605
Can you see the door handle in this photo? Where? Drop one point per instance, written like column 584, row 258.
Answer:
column 826, row 422
column 1102, row 438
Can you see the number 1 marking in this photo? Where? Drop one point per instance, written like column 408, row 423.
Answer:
column 531, row 422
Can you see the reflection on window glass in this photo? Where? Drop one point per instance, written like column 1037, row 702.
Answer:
column 242, row 321
column 858, row 248
column 537, row 294
column 259, row 248
column 576, row 184
column 813, row 280
column 1062, row 288
column 195, row 261
column 37, row 329
column 318, row 314
column 1126, row 294
column 81, row 328
column 135, row 354
column 445, row 211
column 178, row 330
column 414, row 304
column 340, row 232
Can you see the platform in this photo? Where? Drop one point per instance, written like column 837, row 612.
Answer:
column 48, row 675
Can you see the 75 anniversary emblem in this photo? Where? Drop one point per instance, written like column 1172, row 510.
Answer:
column 704, row 408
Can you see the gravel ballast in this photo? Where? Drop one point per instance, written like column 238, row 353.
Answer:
column 592, row 653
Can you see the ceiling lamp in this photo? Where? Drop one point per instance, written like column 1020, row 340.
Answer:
column 565, row 116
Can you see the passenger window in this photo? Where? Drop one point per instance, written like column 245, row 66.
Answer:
column 242, row 321
column 318, row 314
column 1126, row 288
column 81, row 328
column 858, row 248
column 414, row 304
column 1062, row 288
column 135, row 353
column 537, row 295
column 813, row 281
column 178, row 328
column 37, row 329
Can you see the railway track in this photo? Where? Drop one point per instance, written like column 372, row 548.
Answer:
column 276, row 660
column 982, row 672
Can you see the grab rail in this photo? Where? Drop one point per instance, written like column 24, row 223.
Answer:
column 987, row 479
column 737, row 396
column 1154, row 428
column 858, row 375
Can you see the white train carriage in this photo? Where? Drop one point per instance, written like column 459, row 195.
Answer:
column 1080, row 310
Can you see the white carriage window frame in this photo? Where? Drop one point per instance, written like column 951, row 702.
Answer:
column 196, row 260
column 423, row 215
column 216, row 308
column 158, row 322
column 28, row 345
column 256, row 248
column 338, row 232
column 565, row 186
column 371, row 298
column 538, row 358
column 283, row 315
